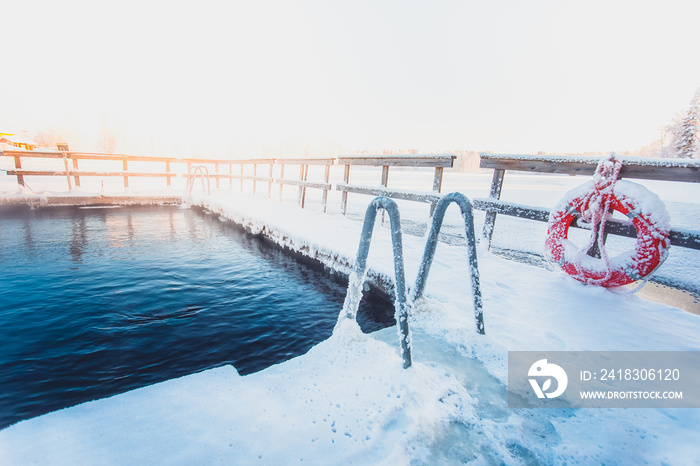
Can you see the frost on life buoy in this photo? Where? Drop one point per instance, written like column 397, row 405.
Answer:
column 642, row 207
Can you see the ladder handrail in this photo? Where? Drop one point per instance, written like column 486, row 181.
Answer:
column 192, row 175
column 354, row 295
column 431, row 244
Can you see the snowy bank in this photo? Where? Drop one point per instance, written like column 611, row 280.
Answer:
column 348, row 400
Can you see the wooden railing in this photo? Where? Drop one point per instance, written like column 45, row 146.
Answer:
column 217, row 170
column 686, row 171
column 73, row 170
column 303, row 183
column 439, row 162
column 71, row 167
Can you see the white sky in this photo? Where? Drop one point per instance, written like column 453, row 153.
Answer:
column 268, row 78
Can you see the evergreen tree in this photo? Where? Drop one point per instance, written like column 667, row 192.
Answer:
column 688, row 133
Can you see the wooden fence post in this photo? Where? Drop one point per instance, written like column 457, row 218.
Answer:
column 437, row 179
column 437, row 186
column 65, row 164
column 344, row 196
column 255, row 174
column 281, row 178
column 18, row 166
column 494, row 193
column 385, row 175
column 301, row 188
column 326, row 177
column 126, row 178
column 384, row 183
column 305, row 174
column 76, row 178
column 269, row 183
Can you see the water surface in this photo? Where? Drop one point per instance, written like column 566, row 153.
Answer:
column 98, row 301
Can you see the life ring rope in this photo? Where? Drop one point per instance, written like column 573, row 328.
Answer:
column 595, row 208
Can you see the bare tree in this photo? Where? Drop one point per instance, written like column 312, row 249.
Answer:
column 109, row 139
column 48, row 138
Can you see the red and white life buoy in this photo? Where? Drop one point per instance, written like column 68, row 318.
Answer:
column 646, row 212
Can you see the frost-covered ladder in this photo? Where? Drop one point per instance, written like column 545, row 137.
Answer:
column 402, row 304
column 431, row 244
column 203, row 173
column 357, row 277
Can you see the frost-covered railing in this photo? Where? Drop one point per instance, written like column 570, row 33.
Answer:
column 55, row 163
column 687, row 171
column 303, row 183
column 72, row 170
column 249, row 170
column 439, row 162
column 244, row 175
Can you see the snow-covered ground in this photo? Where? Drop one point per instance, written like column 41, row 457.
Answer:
column 348, row 400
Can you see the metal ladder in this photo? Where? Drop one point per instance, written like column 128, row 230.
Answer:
column 402, row 304
column 192, row 173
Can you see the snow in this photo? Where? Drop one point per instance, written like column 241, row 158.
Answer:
column 348, row 400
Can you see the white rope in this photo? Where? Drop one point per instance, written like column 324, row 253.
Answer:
column 594, row 210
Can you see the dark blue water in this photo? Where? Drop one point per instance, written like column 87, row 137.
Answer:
column 95, row 302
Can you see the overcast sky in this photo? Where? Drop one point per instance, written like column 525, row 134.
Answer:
column 266, row 78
